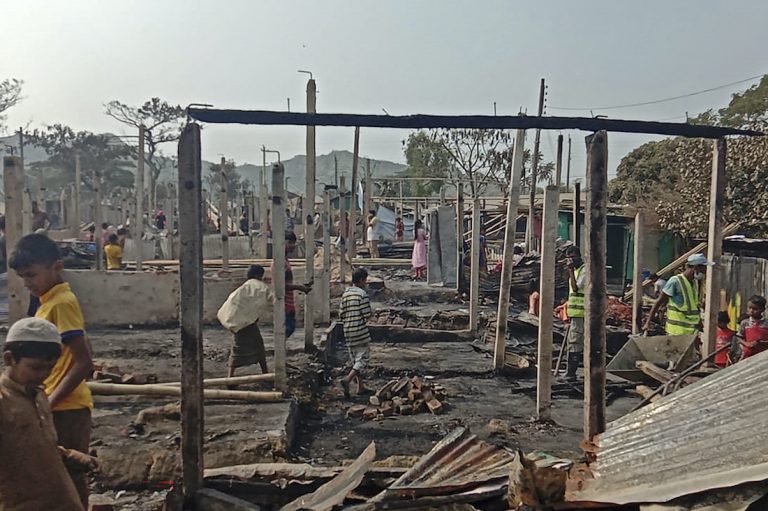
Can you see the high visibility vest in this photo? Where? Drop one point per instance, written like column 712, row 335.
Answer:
column 684, row 319
column 575, row 298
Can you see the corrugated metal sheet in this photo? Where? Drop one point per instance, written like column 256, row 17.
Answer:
column 458, row 462
column 713, row 434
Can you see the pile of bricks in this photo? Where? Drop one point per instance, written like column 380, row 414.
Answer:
column 406, row 396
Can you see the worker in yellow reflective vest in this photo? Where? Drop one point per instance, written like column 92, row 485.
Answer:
column 681, row 296
column 575, row 309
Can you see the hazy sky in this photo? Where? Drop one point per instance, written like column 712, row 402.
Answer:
column 438, row 56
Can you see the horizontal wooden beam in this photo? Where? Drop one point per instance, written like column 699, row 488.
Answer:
column 266, row 117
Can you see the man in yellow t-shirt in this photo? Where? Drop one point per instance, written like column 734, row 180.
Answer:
column 37, row 261
column 113, row 253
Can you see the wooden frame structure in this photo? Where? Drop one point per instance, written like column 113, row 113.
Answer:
column 191, row 239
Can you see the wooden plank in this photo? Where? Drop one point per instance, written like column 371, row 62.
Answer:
column 309, row 227
column 191, row 309
column 647, row 393
column 657, row 373
column 13, row 180
column 516, row 122
column 278, row 274
column 547, row 303
column 120, row 389
column 474, row 278
column 715, row 249
column 637, row 276
column 509, row 243
column 596, row 298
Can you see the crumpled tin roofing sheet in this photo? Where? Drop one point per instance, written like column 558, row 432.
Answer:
column 458, row 462
column 712, row 434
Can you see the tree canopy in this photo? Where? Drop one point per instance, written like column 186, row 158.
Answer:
column 97, row 152
column 672, row 177
column 10, row 95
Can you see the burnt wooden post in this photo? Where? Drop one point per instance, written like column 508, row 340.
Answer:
column 13, row 179
column 595, row 296
column 75, row 221
column 309, row 227
column 325, row 298
column 98, row 219
column 461, row 283
column 224, row 213
column 343, row 229
column 546, row 303
column 278, row 273
column 352, row 241
column 576, row 211
column 368, row 186
column 637, row 275
column 191, row 310
column 474, row 278
column 499, row 352
column 715, row 246
column 138, row 210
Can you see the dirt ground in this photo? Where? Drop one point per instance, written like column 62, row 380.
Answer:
column 140, row 462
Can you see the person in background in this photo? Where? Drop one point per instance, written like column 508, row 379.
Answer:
column 114, row 253
column 244, row 223
column 354, row 313
column 290, row 225
column 753, row 331
column 517, row 255
column 533, row 297
column 40, row 219
column 372, row 234
column 90, row 233
column 399, row 229
column 725, row 338
column 681, row 296
column 575, row 309
column 122, row 234
column 32, row 473
column 419, row 255
column 37, row 261
column 658, row 284
column 240, row 314
column 290, row 287
column 160, row 220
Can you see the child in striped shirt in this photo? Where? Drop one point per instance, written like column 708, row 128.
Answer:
column 355, row 312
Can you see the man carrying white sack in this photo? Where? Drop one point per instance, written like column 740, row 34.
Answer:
column 240, row 315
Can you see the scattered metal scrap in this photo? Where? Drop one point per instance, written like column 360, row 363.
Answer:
column 706, row 436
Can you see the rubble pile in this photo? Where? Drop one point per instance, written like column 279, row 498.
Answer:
column 406, row 396
column 104, row 373
column 619, row 313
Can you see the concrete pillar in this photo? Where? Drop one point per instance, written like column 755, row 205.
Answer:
column 138, row 227
column 352, row 242
column 546, row 303
column 98, row 218
column 637, row 276
column 309, row 227
column 224, row 213
column 13, row 180
column 474, row 279
column 278, row 275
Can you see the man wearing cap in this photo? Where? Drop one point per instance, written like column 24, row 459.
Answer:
column 681, row 296
column 32, row 472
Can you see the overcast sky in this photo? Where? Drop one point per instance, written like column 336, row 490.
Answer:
column 437, row 57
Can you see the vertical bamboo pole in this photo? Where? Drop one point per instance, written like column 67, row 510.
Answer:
column 309, row 227
column 474, row 279
column 715, row 246
column 596, row 298
column 352, row 241
column 278, row 274
column 546, row 303
column 13, row 180
column 499, row 353
column 637, row 274
column 191, row 310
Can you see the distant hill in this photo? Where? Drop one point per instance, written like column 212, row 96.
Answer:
column 294, row 167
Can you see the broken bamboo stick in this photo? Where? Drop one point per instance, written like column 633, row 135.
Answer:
column 117, row 389
column 234, row 380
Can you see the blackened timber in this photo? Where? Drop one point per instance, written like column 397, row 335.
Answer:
column 266, row 117
column 191, row 309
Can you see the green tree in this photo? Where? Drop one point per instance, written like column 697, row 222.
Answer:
column 106, row 153
column 672, row 176
column 233, row 177
column 426, row 158
column 10, row 95
column 162, row 121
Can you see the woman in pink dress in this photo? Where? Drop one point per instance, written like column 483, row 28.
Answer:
column 419, row 258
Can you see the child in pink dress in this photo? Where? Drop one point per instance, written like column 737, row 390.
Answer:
column 419, row 258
